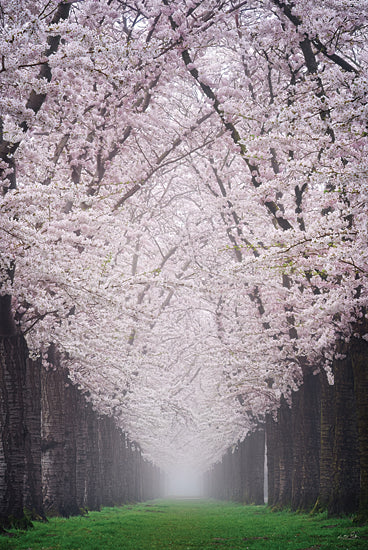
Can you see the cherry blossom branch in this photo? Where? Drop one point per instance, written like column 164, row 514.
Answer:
column 35, row 101
column 159, row 162
column 351, row 263
column 272, row 206
column 297, row 21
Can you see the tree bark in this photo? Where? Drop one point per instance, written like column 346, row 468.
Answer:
column 252, row 453
column 72, row 423
column 33, row 503
column 359, row 357
column 13, row 367
column 328, row 418
column 306, row 442
column 345, row 487
column 284, row 454
column 58, row 441
column 235, row 473
column 93, row 479
column 273, row 473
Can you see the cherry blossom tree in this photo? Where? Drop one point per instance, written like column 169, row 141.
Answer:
column 184, row 209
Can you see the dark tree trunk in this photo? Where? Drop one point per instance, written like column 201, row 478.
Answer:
column 106, row 436
column 81, row 439
column 71, row 419
column 33, row 480
column 345, row 488
column 93, row 479
column 137, row 457
column 222, row 493
column 229, row 475
column 58, row 441
column 284, row 454
column 7, row 325
column 52, row 442
column 13, row 360
column 328, row 418
column 359, row 356
column 119, row 467
column 306, row 442
column 273, row 473
column 252, row 454
column 235, row 474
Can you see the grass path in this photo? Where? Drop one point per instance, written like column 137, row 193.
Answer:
column 190, row 524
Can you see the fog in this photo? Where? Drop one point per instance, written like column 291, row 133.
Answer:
column 184, row 481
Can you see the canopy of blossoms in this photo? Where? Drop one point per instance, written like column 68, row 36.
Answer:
column 184, row 206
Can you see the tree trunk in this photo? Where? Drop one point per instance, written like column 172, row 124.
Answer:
column 93, row 480
column 228, row 487
column 328, row 415
column 273, row 473
column 33, row 481
column 306, row 443
column 119, row 467
column 72, row 422
column 58, row 441
column 105, row 443
column 13, row 359
column 252, row 452
column 82, row 448
column 235, row 474
column 345, row 488
column 359, row 357
column 284, row 454
column 137, row 458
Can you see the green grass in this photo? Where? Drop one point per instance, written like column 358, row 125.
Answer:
column 190, row 524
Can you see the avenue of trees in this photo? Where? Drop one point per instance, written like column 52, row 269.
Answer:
column 183, row 251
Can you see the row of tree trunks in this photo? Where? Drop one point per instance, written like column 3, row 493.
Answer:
column 317, row 449
column 87, row 461
column 240, row 474
column 293, row 448
column 57, row 455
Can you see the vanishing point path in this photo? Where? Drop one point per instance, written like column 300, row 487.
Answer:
column 191, row 524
